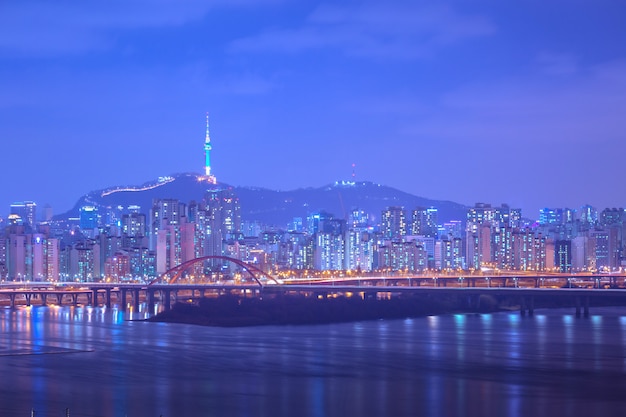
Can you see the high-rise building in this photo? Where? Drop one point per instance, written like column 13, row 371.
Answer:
column 134, row 224
column 580, row 253
column 314, row 220
column 612, row 217
column 402, row 256
column 83, row 261
column 505, row 216
column 53, row 248
column 175, row 245
column 424, row 222
column 134, row 231
column 142, row 262
column 27, row 210
column 480, row 214
column 452, row 228
column 550, row 216
column 88, row 220
column 478, row 245
column 226, row 212
column 502, row 247
column 164, row 212
column 47, row 213
column 563, row 255
column 329, row 251
column 16, row 257
column 428, row 246
column 588, row 214
column 393, row 223
column 358, row 218
column 451, row 253
column 3, row 258
column 296, row 251
column 606, row 248
column 359, row 249
column 543, row 253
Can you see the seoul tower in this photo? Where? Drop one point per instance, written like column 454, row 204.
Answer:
column 207, row 155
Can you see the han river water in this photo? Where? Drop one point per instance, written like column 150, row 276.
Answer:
column 95, row 362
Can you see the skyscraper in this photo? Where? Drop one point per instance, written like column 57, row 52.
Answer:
column 563, row 255
column 88, row 219
column 424, row 222
column 26, row 210
column 163, row 213
column 393, row 223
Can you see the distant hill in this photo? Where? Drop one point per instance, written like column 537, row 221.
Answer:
column 272, row 207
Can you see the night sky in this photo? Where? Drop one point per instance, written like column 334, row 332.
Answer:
column 518, row 102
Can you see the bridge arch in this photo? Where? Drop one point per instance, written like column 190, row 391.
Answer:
column 179, row 269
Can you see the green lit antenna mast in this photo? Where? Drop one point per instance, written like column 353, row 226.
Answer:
column 207, row 155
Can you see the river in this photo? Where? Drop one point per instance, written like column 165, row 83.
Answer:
column 95, row 362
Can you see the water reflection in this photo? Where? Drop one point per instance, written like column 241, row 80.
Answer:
column 568, row 321
column 97, row 362
column 541, row 321
column 459, row 321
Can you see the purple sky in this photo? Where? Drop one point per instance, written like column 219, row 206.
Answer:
column 522, row 102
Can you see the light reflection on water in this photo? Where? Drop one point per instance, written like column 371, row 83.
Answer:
column 97, row 363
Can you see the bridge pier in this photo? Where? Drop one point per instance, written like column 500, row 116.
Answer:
column 60, row 299
column 586, row 307
column 28, row 296
column 136, row 300
column 12, row 297
column 473, row 302
column 527, row 305
column 108, row 298
column 122, row 298
column 368, row 295
column 167, row 302
column 74, row 299
column 94, row 298
column 150, row 294
column 44, row 298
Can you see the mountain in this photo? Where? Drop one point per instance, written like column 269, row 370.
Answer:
column 269, row 206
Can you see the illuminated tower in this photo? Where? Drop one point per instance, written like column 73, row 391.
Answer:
column 207, row 155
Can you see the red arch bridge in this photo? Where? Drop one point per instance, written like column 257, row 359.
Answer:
column 179, row 284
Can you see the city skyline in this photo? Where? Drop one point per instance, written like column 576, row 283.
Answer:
column 517, row 104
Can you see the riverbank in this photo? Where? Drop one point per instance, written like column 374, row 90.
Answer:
column 234, row 311
column 237, row 311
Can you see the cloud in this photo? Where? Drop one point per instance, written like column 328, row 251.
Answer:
column 44, row 29
column 378, row 30
column 570, row 108
column 558, row 64
column 131, row 88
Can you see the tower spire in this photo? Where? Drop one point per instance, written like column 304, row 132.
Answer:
column 207, row 155
column 208, row 138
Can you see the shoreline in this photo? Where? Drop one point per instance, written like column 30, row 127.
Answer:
column 236, row 311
